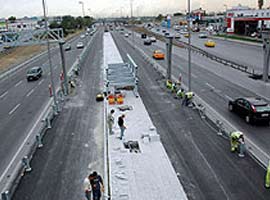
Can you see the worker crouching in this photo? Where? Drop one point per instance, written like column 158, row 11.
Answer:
column 237, row 143
column 188, row 98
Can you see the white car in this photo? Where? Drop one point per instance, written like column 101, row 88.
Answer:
column 177, row 35
column 153, row 39
column 203, row 35
column 83, row 36
column 126, row 34
column 79, row 45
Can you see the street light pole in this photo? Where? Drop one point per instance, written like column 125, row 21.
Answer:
column 82, row 3
column 49, row 54
column 131, row 17
column 189, row 47
column 226, row 31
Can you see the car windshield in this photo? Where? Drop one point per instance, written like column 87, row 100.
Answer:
column 33, row 70
column 262, row 108
column 158, row 51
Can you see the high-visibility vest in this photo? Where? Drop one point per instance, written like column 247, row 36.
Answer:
column 189, row 95
column 267, row 177
column 236, row 134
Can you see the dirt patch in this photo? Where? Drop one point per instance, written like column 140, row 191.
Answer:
column 17, row 55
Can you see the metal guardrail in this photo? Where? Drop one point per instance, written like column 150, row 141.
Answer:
column 21, row 166
column 224, row 126
column 243, row 68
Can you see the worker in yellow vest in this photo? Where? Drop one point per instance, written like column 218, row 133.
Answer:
column 267, row 177
column 188, row 98
column 169, row 84
column 234, row 139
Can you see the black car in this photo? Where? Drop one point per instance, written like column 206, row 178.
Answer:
column 252, row 109
column 34, row 73
column 147, row 41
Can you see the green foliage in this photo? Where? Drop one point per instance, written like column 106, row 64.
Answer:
column 260, row 4
column 159, row 17
column 12, row 19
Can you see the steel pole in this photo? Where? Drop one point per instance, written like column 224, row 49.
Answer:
column 189, row 48
column 49, row 54
column 169, row 58
column 131, row 16
column 61, row 43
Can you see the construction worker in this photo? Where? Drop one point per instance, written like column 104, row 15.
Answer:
column 169, row 84
column 110, row 121
column 267, row 177
column 180, row 93
column 237, row 139
column 188, row 98
column 173, row 88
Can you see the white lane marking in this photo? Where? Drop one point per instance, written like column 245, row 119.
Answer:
column 17, row 84
column 14, row 109
column 4, row 94
column 209, row 85
column 41, row 82
column 24, row 142
column 29, row 93
column 228, row 97
column 194, row 76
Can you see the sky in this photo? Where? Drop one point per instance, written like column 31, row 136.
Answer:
column 113, row 8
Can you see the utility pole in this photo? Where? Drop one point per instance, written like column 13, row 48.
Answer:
column 49, row 56
column 82, row 3
column 65, row 84
column 266, row 48
column 131, row 17
column 189, row 47
column 169, row 57
column 226, row 31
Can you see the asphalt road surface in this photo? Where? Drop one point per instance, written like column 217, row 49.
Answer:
column 21, row 102
column 245, row 54
column 210, row 83
column 203, row 160
column 74, row 146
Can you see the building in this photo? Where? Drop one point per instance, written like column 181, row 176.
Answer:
column 245, row 21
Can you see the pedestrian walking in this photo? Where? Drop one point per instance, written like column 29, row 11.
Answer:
column 96, row 185
column 87, row 187
column 121, row 126
column 110, row 121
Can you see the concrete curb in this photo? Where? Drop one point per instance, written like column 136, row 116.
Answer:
column 237, row 41
column 213, row 115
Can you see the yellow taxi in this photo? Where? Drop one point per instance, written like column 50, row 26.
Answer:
column 158, row 54
column 210, row 43
column 186, row 35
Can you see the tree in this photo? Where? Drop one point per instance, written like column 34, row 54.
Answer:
column 159, row 17
column 79, row 22
column 178, row 14
column 12, row 19
column 260, row 4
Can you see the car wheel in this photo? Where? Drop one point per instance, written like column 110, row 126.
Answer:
column 230, row 107
column 248, row 119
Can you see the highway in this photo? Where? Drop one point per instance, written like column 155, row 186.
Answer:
column 74, row 146
column 203, row 160
column 21, row 102
column 217, row 84
column 245, row 54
